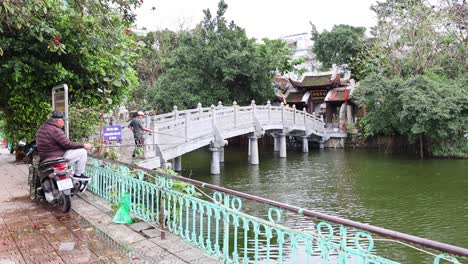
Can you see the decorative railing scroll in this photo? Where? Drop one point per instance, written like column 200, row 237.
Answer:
column 212, row 218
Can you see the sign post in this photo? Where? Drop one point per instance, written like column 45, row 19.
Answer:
column 60, row 103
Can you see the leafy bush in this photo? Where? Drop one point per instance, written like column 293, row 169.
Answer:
column 84, row 121
column 46, row 43
column 447, row 150
column 427, row 107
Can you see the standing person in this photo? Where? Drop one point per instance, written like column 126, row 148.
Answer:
column 52, row 144
column 136, row 125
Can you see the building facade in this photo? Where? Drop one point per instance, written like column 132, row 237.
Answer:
column 302, row 44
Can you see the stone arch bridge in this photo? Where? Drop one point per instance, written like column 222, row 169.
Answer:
column 180, row 132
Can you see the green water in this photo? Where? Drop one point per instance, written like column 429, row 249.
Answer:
column 426, row 198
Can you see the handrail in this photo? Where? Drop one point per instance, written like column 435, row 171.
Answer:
column 455, row 250
column 171, row 116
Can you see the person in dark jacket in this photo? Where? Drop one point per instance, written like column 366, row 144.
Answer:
column 136, row 125
column 53, row 144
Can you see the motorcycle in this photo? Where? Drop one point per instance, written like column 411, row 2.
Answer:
column 19, row 149
column 52, row 180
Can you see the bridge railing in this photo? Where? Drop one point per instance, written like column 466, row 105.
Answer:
column 213, row 218
column 180, row 126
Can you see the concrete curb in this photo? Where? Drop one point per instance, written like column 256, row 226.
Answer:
column 141, row 241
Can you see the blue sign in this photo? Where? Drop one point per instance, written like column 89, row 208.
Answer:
column 111, row 133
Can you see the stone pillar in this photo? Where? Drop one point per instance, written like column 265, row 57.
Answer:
column 166, row 165
column 282, row 146
column 248, row 151
column 305, row 144
column 253, row 150
column 177, row 164
column 221, row 155
column 276, row 143
column 215, row 166
column 349, row 115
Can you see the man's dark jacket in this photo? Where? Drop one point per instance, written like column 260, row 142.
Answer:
column 52, row 142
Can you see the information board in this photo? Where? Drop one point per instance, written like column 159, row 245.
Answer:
column 112, row 133
column 59, row 101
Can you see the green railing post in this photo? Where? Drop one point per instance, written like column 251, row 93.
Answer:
column 184, row 215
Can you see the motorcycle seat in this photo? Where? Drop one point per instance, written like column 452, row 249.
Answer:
column 47, row 163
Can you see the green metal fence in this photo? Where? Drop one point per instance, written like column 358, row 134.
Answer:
column 214, row 221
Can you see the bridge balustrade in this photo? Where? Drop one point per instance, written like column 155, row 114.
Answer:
column 213, row 219
column 179, row 132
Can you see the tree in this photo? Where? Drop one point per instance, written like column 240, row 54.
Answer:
column 434, row 110
column 337, row 46
column 414, row 70
column 157, row 47
column 45, row 43
column 218, row 62
column 427, row 108
column 379, row 96
column 414, row 36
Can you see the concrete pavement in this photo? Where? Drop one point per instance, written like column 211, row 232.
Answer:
column 39, row 233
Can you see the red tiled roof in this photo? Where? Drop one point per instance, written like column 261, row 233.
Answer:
column 335, row 95
column 322, row 80
column 296, row 97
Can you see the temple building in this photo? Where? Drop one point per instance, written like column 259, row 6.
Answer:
column 323, row 93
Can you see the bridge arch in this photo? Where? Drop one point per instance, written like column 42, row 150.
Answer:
column 182, row 131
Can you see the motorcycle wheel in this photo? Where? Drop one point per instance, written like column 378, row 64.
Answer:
column 65, row 202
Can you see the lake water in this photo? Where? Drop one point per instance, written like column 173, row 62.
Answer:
column 426, row 198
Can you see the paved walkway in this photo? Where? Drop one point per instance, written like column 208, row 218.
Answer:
column 39, row 233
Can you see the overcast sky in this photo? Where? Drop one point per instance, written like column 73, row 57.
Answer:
column 260, row 18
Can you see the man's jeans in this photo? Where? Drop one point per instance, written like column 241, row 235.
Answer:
column 77, row 157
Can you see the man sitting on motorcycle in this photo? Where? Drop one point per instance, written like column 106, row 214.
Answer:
column 52, row 144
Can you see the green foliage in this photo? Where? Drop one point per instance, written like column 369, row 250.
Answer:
column 276, row 54
column 427, row 106
column 367, row 61
column 46, row 43
column 158, row 47
column 379, row 96
column 168, row 171
column 414, row 75
column 457, row 149
column 2, row 126
column 111, row 154
column 434, row 107
column 84, row 121
column 218, row 62
column 138, row 153
column 414, row 37
column 337, row 46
